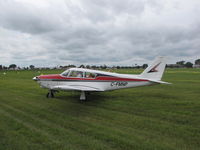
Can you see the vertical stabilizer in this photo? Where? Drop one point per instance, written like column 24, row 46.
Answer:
column 155, row 70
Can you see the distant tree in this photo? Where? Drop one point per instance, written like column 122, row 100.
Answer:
column 137, row 66
column 4, row 67
column 197, row 62
column 94, row 67
column 144, row 66
column 180, row 62
column 188, row 64
column 88, row 66
column 118, row 67
column 65, row 66
column 71, row 66
column 1, row 67
column 31, row 66
column 103, row 67
column 82, row 66
column 13, row 66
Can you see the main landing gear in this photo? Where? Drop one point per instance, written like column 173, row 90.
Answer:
column 82, row 97
column 50, row 94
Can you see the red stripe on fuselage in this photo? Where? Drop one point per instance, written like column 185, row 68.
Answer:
column 103, row 78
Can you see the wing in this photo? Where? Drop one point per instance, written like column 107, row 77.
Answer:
column 75, row 87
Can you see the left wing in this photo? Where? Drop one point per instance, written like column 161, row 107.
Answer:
column 75, row 87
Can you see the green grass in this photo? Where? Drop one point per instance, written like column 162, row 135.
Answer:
column 161, row 117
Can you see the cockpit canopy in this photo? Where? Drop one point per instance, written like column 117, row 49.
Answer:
column 78, row 74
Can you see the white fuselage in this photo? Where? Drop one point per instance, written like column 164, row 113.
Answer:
column 85, row 80
column 106, row 81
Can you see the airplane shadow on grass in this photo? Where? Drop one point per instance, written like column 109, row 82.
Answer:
column 71, row 105
column 99, row 97
column 92, row 97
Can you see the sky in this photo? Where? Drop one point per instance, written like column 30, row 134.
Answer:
column 94, row 32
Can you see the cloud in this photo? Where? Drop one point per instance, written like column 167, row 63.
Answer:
column 116, row 32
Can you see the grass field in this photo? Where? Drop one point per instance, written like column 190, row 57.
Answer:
column 161, row 117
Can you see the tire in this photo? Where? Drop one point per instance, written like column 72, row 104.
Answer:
column 52, row 95
column 48, row 94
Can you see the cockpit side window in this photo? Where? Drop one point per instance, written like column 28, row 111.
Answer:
column 76, row 74
column 90, row 75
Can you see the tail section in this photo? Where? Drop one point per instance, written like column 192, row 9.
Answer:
column 155, row 70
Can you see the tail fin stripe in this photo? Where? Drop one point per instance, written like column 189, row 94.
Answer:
column 155, row 70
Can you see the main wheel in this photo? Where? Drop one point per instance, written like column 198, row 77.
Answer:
column 50, row 94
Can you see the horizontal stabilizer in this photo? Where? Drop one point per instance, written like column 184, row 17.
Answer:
column 160, row 82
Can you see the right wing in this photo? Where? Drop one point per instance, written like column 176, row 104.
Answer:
column 75, row 87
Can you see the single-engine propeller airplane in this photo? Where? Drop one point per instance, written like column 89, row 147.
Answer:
column 88, row 80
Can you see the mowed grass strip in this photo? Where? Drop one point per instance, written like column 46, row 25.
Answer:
column 157, row 117
column 76, row 128
column 55, row 132
column 82, row 130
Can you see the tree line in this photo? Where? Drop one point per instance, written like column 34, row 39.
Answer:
column 179, row 64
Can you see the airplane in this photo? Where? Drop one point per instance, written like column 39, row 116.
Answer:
column 88, row 80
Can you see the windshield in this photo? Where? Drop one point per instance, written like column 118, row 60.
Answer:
column 65, row 73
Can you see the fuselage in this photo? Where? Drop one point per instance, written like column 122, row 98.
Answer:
column 87, row 80
column 90, row 80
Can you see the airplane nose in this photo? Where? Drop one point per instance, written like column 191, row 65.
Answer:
column 35, row 78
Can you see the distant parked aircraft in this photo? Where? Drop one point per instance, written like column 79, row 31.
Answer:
column 87, row 80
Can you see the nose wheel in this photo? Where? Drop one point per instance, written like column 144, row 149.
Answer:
column 50, row 94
